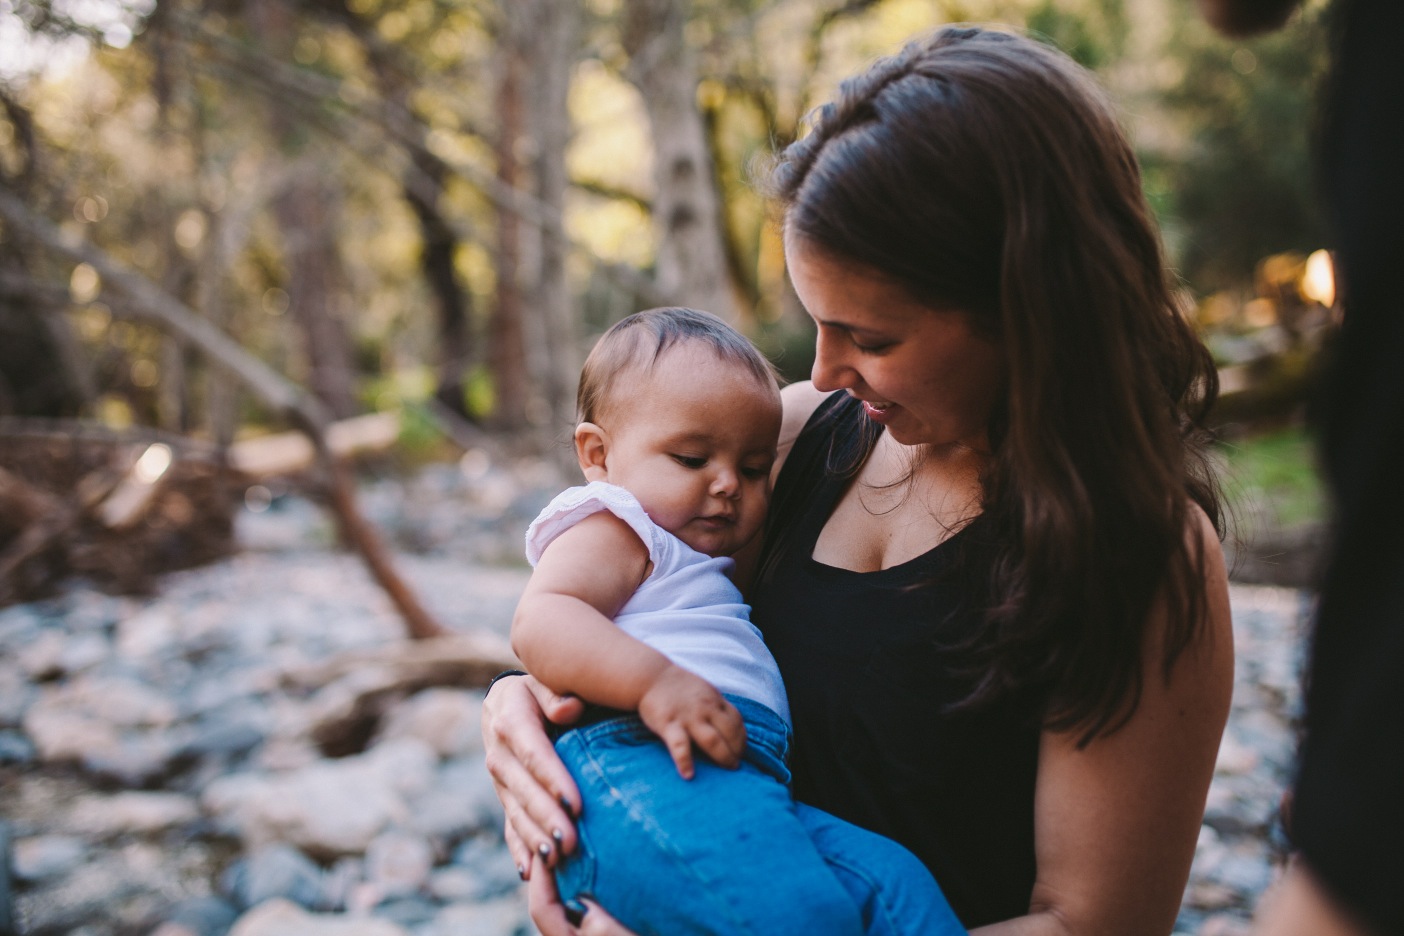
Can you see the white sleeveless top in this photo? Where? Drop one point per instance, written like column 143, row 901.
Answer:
column 687, row 609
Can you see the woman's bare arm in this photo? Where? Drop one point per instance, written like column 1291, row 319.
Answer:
column 1116, row 822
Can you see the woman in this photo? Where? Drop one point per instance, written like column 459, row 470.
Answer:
column 991, row 577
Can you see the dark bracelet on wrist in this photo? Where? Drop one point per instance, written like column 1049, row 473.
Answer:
column 502, row 675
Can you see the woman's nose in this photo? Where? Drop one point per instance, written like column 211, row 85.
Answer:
column 830, row 372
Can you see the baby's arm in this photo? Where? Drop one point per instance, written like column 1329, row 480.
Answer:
column 565, row 635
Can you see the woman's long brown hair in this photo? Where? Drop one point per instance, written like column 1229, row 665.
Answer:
column 985, row 172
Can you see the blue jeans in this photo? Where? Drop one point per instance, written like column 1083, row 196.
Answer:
column 730, row 852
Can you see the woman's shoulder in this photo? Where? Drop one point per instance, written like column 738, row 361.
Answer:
column 799, row 401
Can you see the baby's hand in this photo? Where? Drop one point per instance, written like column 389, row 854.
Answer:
column 683, row 709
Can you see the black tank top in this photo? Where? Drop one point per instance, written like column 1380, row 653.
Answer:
column 868, row 681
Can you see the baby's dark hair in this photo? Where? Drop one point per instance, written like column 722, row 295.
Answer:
column 640, row 340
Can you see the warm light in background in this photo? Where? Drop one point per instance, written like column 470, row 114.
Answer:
column 1319, row 280
column 153, row 463
column 85, row 284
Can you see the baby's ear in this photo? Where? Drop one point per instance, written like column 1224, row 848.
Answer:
column 591, row 449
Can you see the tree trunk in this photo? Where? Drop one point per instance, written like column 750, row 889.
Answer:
column 687, row 213
column 42, row 372
column 422, row 183
column 454, row 351
column 557, row 38
column 307, row 215
column 507, row 339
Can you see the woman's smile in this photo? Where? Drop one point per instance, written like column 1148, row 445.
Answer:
column 921, row 372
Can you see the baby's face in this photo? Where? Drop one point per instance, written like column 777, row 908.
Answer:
column 694, row 441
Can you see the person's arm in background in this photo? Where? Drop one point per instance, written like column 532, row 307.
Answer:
column 1358, row 606
column 1116, row 821
column 1298, row 906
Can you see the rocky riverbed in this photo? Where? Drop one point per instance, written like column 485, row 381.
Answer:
column 235, row 755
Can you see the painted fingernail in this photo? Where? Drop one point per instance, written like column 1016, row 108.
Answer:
column 558, row 835
column 544, row 850
column 521, row 872
column 565, row 804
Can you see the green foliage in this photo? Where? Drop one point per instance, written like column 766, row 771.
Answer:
column 1092, row 38
column 479, row 395
column 789, row 347
column 1243, row 188
column 420, row 438
column 189, row 138
column 1274, row 477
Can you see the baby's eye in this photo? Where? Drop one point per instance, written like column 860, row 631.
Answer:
column 755, row 473
column 693, row 462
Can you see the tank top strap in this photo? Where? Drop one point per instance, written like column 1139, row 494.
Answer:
column 826, row 455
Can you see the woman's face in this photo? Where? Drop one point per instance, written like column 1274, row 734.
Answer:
column 923, row 373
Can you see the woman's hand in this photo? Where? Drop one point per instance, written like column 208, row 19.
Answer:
column 550, row 916
column 536, row 790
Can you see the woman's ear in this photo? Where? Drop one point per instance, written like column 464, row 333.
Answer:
column 591, row 450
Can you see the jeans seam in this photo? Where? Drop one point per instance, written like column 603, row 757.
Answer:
column 663, row 842
column 889, row 914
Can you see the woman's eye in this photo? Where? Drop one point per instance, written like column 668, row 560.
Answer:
column 690, row 461
column 872, row 348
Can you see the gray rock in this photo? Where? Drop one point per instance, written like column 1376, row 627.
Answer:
column 341, row 882
column 15, row 748
column 276, row 870
column 399, row 863
column 84, row 652
column 137, row 758
column 19, row 624
column 462, row 800
column 46, row 856
column 200, row 916
column 448, row 720
column 226, row 736
column 42, row 658
column 486, row 859
column 17, row 693
column 506, row 916
column 329, row 808
column 62, row 736
column 150, row 634
column 117, row 889
column 283, row 918
column 455, row 884
column 131, row 813
column 407, row 911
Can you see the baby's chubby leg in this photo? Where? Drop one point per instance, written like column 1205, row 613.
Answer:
column 723, row 853
column 896, row 893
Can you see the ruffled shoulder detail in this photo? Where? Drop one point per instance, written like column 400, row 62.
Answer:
column 575, row 504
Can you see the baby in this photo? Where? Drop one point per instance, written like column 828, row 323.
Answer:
column 632, row 608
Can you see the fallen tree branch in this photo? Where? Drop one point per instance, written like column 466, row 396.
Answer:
column 281, row 395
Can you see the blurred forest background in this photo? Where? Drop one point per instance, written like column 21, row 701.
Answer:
column 428, row 209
